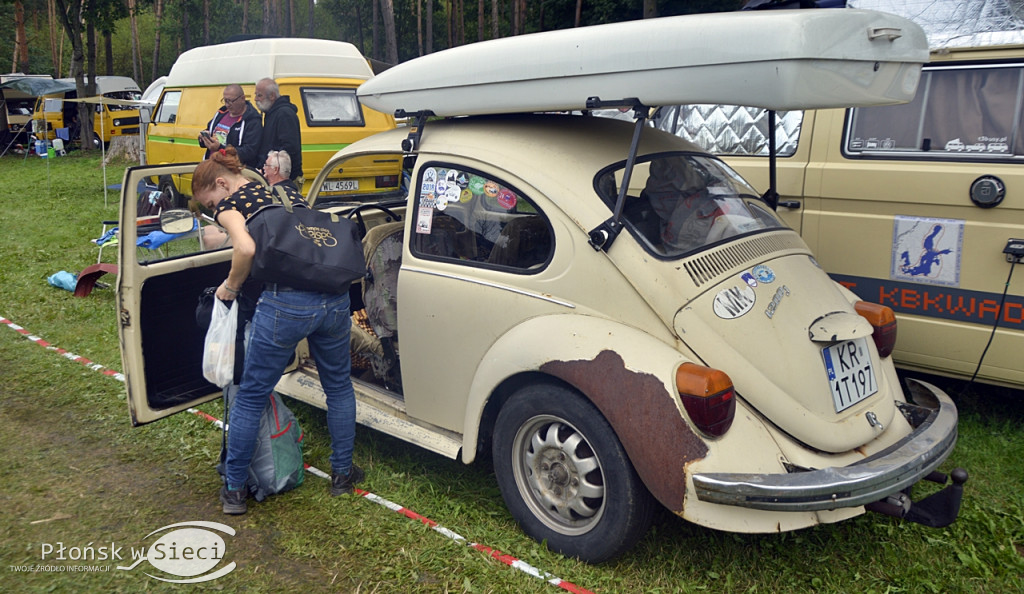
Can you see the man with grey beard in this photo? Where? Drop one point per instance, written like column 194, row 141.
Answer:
column 280, row 124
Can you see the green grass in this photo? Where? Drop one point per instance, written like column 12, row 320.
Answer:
column 71, row 459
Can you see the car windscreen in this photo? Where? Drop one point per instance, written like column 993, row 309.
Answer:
column 679, row 203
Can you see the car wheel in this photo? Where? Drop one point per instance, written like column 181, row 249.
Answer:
column 565, row 477
column 168, row 188
column 97, row 142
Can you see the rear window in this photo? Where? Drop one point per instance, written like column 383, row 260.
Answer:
column 331, row 107
column 680, row 203
column 959, row 113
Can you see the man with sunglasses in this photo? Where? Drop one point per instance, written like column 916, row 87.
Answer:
column 236, row 124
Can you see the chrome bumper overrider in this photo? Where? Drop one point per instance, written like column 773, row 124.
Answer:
column 869, row 480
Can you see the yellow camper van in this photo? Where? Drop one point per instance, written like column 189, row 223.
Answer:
column 54, row 112
column 320, row 77
column 919, row 207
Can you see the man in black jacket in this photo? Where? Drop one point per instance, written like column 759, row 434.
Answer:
column 280, row 124
column 237, row 124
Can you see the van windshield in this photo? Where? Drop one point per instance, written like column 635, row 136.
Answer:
column 680, row 203
column 124, row 95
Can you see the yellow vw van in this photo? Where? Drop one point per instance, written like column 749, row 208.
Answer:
column 320, row 76
column 918, row 207
column 54, row 112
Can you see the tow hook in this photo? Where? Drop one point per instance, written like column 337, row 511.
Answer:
column 936, row 510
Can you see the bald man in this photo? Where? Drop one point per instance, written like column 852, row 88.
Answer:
column 236, row 124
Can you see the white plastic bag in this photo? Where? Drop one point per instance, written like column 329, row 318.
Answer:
column 219, row 349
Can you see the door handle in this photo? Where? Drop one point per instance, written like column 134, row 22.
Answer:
column 789, row 203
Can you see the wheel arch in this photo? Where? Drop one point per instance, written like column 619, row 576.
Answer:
column 627, row 374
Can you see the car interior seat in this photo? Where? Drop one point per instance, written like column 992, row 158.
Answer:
column 382, row 247
column 524, row 242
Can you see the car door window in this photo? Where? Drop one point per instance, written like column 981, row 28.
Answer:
column 467, row 217
column 168, row 110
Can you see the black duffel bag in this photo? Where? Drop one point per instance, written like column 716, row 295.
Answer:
column 304, row 248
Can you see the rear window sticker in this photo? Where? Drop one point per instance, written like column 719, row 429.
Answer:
column 466, row 195
column 430, row 175
column 927, row 250
column 733, row 302
column 442, row 203
column 506, row 199
column 476, row 184
column 441, row 187
column 427, row 186
column 424, row 220
column 491, row 189
column 452, row 194
column 427, row 200
column 763, row 274
column 462, row 181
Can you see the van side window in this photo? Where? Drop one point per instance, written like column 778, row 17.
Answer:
column 167, row 112
column 957, row 113
column 731, row 129
column 469, row 218
column 331, row 107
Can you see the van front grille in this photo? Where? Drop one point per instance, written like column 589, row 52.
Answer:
column 711, row 265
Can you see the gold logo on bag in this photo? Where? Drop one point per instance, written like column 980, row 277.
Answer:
column 321, row 237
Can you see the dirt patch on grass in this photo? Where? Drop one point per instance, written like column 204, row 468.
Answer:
column 67, row 483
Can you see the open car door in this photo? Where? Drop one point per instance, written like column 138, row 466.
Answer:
column 160, row 279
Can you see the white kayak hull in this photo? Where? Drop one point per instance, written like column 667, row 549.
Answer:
column 780, row 60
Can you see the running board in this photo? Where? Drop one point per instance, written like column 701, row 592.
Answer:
column 378, row 409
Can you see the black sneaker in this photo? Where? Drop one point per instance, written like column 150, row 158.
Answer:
column 234, row 501
column 342, row 484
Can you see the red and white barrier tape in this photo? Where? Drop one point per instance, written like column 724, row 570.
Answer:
column 506, row 559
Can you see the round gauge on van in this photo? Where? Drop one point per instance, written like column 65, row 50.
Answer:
column 987, row 191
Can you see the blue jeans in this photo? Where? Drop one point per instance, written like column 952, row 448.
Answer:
column 282, row 319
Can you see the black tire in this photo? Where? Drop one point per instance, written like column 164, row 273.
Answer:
column 97, row 142
column 565, row 477
column 168, row 188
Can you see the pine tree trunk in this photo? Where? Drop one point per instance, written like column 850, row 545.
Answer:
column 494, row 19
column 387, row 9
column 206, row 22
column 428, row 43
column 266, row 17
column 136, row 55
column 159, row 7
column 21, row 40
column 419, row 27
column 52, row 10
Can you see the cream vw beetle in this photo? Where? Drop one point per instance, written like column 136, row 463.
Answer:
column 609, row 313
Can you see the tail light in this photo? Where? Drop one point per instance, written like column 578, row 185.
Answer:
column 708, row 396
column 387, row 181
column 883, row 320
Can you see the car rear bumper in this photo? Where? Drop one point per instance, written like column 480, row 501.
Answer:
column 869, row 480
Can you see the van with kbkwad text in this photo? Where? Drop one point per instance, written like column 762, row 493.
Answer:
column 320, row 76
column 918, row 207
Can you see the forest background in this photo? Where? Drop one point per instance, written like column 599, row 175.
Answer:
column 142, row 38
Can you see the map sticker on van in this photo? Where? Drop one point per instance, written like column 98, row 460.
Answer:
column 927, row 250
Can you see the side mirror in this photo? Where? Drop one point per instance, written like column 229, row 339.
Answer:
column 176, row 220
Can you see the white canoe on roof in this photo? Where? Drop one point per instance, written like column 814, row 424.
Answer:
column 773, row 59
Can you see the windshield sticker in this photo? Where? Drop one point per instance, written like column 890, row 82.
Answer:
column 927, row 250
column 734, row 302
column 781, row 292
column 749, row 279
column 763, row 274
column 424, row 220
